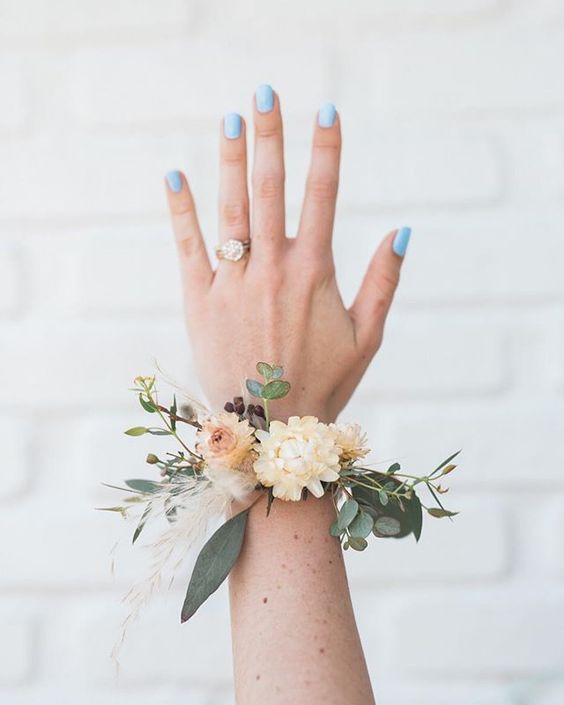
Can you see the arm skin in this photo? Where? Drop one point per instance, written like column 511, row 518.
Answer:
column 294, row 633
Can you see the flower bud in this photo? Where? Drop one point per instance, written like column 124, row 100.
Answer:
column 240, row 408
column 229, row 407
column 152, row 459
column 259, row 411
column 237, row 400
column 251, row 409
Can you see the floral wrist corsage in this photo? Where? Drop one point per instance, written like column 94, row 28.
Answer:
column 239, row 451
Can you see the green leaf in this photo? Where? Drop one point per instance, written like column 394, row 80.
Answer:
column 214, row 563
column 276, row 389
column 347, row 513
column 144, row 486
column 383, row 497
column 173, row 411
column 264, row 370
column 159, row 432
column 387, row 526
column 393, row 468
column 150, row 408
column 358, row 544
column 269, row 500
column 414, row 515
column 255, row 388
column 361, row 525
column 440, row 513
column 334, row 529
column 142, row 523
column 136, row 431
column 446, row 462
column 277, row 372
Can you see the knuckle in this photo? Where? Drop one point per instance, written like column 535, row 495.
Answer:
column 188, row 246
column 233, row 157
column 322, row 189
column 267, row 132
column 268, row 186
column 235, row 215
column 182, row 207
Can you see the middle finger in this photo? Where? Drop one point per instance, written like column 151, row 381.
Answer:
column 268, row 219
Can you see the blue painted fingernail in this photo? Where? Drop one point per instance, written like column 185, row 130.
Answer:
column 264, row 97
column 327, row 115
column 401, row 241
column 174, row 180
column 232, row 126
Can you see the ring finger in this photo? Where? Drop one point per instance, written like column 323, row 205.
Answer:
column 233, row 193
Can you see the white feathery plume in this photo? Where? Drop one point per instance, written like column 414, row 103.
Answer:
column 193, row 502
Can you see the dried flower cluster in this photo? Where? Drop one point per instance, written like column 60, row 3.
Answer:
column 239, row 450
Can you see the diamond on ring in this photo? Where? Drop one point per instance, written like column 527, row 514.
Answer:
column 233, row 250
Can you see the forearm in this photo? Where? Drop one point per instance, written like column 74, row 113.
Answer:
column 294, row 633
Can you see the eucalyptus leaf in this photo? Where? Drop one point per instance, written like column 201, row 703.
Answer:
column 393, row 468
column 136, row 431
column 144, row 486
column 150, row 408
column 358, row 544
column 347, row 513
column 264, row 369
column 361, row 525
column 159, row 432
column 387, row 526
column 255, row 388
column 277, row 372
column 334, row 529
column 440, row 513
column 383, row 497
column 275, row 389
column 214, row 563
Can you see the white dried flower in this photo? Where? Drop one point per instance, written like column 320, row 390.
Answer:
column 296, row 455
column 352, row 441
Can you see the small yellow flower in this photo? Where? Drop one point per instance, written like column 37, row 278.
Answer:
column 296, row 455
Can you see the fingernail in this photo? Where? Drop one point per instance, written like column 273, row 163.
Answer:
column 232, row 126
column 174, row 180
column 327, row 115
column 264, row 97
column 401, row 241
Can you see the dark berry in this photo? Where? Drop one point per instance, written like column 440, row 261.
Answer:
column 259, row 411
column 229, row 407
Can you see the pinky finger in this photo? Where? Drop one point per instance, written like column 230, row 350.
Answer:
column 376, row 293
column 195, row 266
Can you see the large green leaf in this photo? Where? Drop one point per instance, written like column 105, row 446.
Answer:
column 414, row 515
column 214, row 563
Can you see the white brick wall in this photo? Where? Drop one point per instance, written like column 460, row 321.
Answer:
column 452, row 115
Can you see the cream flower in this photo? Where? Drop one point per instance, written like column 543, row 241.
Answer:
column 351, row 440
column 224, row 439
column 301, row 453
